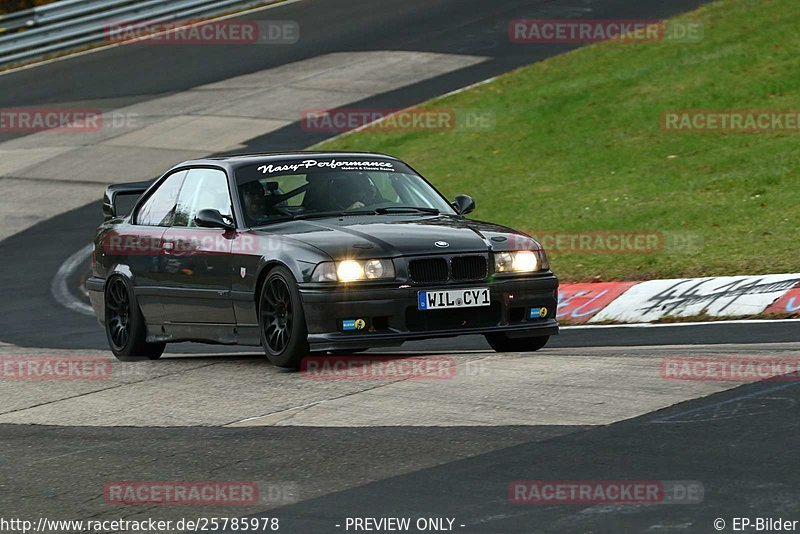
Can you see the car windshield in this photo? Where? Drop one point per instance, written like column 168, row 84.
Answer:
column 327, row 187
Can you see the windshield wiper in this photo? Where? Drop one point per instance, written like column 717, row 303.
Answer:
column 327, row 214
column 406, row 209
column 303, row 216
column 320, row 214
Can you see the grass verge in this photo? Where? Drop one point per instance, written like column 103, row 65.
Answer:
column 578, row 147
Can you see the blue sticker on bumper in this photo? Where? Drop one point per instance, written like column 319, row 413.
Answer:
column 538, row 313
column 353, row 324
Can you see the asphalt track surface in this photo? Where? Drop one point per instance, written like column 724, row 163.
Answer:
column 739, row 441
column 739, row 444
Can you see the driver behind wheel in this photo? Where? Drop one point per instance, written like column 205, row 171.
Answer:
column 255, row 203
column 353, row 191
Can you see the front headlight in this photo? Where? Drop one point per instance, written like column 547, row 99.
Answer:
column 353, row 271
column 521, row 261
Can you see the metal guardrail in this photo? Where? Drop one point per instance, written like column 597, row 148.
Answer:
column 69, row 24
column 18, row 19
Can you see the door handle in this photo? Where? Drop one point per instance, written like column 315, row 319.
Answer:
column 168, row 246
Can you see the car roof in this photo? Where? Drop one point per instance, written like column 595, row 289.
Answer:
column 240, row 160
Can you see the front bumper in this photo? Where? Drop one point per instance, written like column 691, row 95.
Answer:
column 390, row 314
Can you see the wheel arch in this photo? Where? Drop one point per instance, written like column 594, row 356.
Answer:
column 121, row 270
column 264, row 269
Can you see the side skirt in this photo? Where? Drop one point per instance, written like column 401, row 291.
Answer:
column 224, row 334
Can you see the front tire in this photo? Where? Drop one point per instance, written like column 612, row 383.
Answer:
column 282, row 322
column 125, row 327
column 502, row 343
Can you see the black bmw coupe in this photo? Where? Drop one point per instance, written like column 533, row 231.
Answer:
column 310, row 252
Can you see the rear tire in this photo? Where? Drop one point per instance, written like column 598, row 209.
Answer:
column 502, row 343
column 281, row 320
column 125, row 327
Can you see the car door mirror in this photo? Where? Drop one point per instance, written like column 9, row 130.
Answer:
column 210, row 218
column 464, row 204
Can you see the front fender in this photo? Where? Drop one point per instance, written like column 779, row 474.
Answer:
column 250, row 270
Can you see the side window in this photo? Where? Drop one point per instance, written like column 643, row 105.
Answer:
column 202, row 189
column 157, row 210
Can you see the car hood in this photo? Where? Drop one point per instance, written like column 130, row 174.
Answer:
column 393, row 235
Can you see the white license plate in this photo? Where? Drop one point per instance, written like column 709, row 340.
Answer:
column 453, row 298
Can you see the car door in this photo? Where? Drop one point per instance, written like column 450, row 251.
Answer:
column 197, row 277
column 138, row 245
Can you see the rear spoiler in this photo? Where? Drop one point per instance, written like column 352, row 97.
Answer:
column 119, row 199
